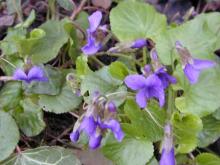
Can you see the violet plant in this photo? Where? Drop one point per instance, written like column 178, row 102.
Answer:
column 120, row 80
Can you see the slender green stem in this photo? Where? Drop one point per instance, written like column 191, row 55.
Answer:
column 144, row 56
column 19, row 13
column 130, row 58
column 98, row 61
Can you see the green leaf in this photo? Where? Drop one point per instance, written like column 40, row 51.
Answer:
column 118, row 70
column 210, row 132
column 73, row 51
column 186, row 129
column 199, row 99
column 48, row 47
column 216, row 114
column 14, row 60
column 82, row 67
column 66, row 101
column 30, row 120
column 134, row 20
column 207, row 159
column 28, row 21
column 44, row 156
column 9, row 44
column 129, row 152
column 66, row 4
column 144, row 125
column 101, row 81
column 52, row 87
column 9, row 135
column 213, row 22
column 200, row 46
column 10, row 95
column 13, row 6
column 82, row 20
column 25, row 46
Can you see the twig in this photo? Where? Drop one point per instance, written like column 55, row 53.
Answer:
column 78, row 9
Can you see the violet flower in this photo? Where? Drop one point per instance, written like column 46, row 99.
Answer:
column 147, row 87
column 95, row 33
column 167, row 155
column 139, row 43
column 160, row 70
column 95, row 140
column 98, row 118
column 192, row 67
column 165, row 78
column 36, row 73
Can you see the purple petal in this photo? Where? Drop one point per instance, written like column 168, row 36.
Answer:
column 19, row 74
column 95, row 141
column 88, row 125
column 74, row 136
column 203, row 64
column 167, row 157
column 147, row 69
column 91, row 47
column 113, row 125
column 112, row 107
column 165, row 78
column 141, row 98
column 36, row 73
column 139, row 43
column 157, row 92
column 153, row 80
column 178, row 44
column 119, row 135
column 135, row 82
column 154, row 55
column 191, row 73
column 94, row 21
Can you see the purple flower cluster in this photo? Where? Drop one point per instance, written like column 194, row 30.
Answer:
column 95, row 34
column 36, row 73
column 167, row 155
column 99, row 117
column 192, row 67
column 150, row 85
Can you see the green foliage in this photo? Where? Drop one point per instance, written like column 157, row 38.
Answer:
column 14, row 35
column 101, row 81
column 186, row 129
column 13, row 6
column 44, row 155
column 118, row 70
column 129, row 152
column 51, row 87
column 200, row 46
column 48, row 47
column 82, row 67
column 65, row 101
column 10, row 95
column 66, row 4
column 134, row 20
column 207, row 159
column 200, row 99
column 29, row 118
column 147, row 124
column 9, row 135
column 210, row 132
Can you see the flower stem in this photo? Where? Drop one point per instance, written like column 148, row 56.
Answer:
column 98, row 61
column 144, row 56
